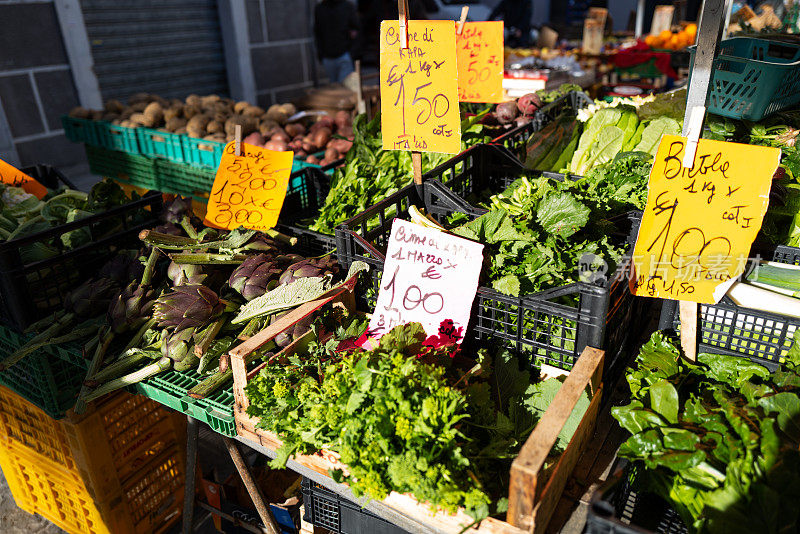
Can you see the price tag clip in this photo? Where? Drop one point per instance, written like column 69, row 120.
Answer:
column 462, row 20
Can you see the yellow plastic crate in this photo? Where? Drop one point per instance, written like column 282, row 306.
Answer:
column 121, row 467
column 151, row 504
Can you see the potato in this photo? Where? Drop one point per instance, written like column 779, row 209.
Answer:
column 110, row 116
column 254, row 138
column 196, row 127
column 324, row 122
column 139, row 98
column 278, row 134
column 347, row 132
column 295, row 129
column 153, row 114
column 289, row 109
column 190, row 110
column 223, row 107
column 253, row 111
column 193, row 100
column 248, row 124
column 138, row 118
column 342, row 119
column 181, row 131
column 128, row 124
column 215, row 127
column 277, row 146
column 175, row 103
column 172, row 112
column 207, row 102
column 340, row 145
column 174, row 124
column 312, row 159
column 80, row 113
column 265, row 126
column 114, row 106
column 277, row 114
column 321, row 137
column 240, row 106
column 332, row 154
column 126, row 113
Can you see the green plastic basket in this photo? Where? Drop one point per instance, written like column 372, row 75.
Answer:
column 119, row 138
column 139, row 171
column 158, row 144
column 170, row 389
column 753, row 78
column 81, row 130
column 49, row 379
column 201, row 152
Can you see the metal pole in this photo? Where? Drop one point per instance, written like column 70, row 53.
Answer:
column 708, row 32
column 255, row 493
column 192, row 430
column 639, row 18
column 728, row 11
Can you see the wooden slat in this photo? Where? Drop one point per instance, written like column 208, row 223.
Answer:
column 527, row 485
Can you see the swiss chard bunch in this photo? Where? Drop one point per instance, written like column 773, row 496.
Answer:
column 719, row 438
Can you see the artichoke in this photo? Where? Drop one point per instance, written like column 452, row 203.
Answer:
column 174, row 212
column 177, row 345
column 189, row 306
column 122, row 268
column 312, row 267
column 252, row 278
column 134, row 303
column 90, row 298
column 183, row 274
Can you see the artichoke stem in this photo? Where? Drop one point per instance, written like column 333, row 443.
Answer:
column 217, row 380
column 128, row 380
column 204, row 258
column 37, row 341
column 94, row 367
column 134, row 342
column 149, row 268
column 283, row 238
column 126, row 362
column 208, row 337
column 43, row 323
column 186, row 224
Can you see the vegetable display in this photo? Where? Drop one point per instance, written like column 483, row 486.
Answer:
column 718, row 438
column 430, row 421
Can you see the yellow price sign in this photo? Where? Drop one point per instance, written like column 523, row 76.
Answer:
column 249, row 189
column 480, row 62
column 12, row 176
column 699, row 223
column 419, row 87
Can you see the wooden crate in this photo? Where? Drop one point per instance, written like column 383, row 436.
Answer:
column 534, row 491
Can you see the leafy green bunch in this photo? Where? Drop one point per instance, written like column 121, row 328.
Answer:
column 719, row 438
column 406, row 417
column 370, row 173
column 537, row 231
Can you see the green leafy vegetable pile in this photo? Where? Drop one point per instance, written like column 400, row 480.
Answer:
column 404, row 417
column 370, row 173
column 22, row 214
column 719, row 438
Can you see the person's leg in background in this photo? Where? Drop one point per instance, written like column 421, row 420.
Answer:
column 345, row 66
column 331, row 66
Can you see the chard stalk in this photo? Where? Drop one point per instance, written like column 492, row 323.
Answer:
column 128, row 380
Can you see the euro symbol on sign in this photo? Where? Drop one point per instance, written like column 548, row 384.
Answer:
column 431, row 273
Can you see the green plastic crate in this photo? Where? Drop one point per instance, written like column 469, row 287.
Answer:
column 170, row 388
column 186, row 180
column 139, row 171
column 201, row 152
column 44, row 378
column 753, row 78
column 81, row 130
column 158, row 144
column 119, row 138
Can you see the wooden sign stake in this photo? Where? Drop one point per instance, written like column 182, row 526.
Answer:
column 462, row 20
column 361, row 106
column 416, row 163
column 402, row 8
column 237, row 140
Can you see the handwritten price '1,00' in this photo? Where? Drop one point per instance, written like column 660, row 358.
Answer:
column 244, row 196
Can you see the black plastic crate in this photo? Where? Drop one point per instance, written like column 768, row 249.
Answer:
column 305, row 195
column 726, row 328
column 31, row 290
column 617, row 508
column 516, row 139
column 326, row 509
column 554, row 332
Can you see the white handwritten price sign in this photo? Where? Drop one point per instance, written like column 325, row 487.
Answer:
column 429, row 277
column 249, row 189
column 419, row 87
column 12, row 176
column 480, row 62
column 699, row 223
